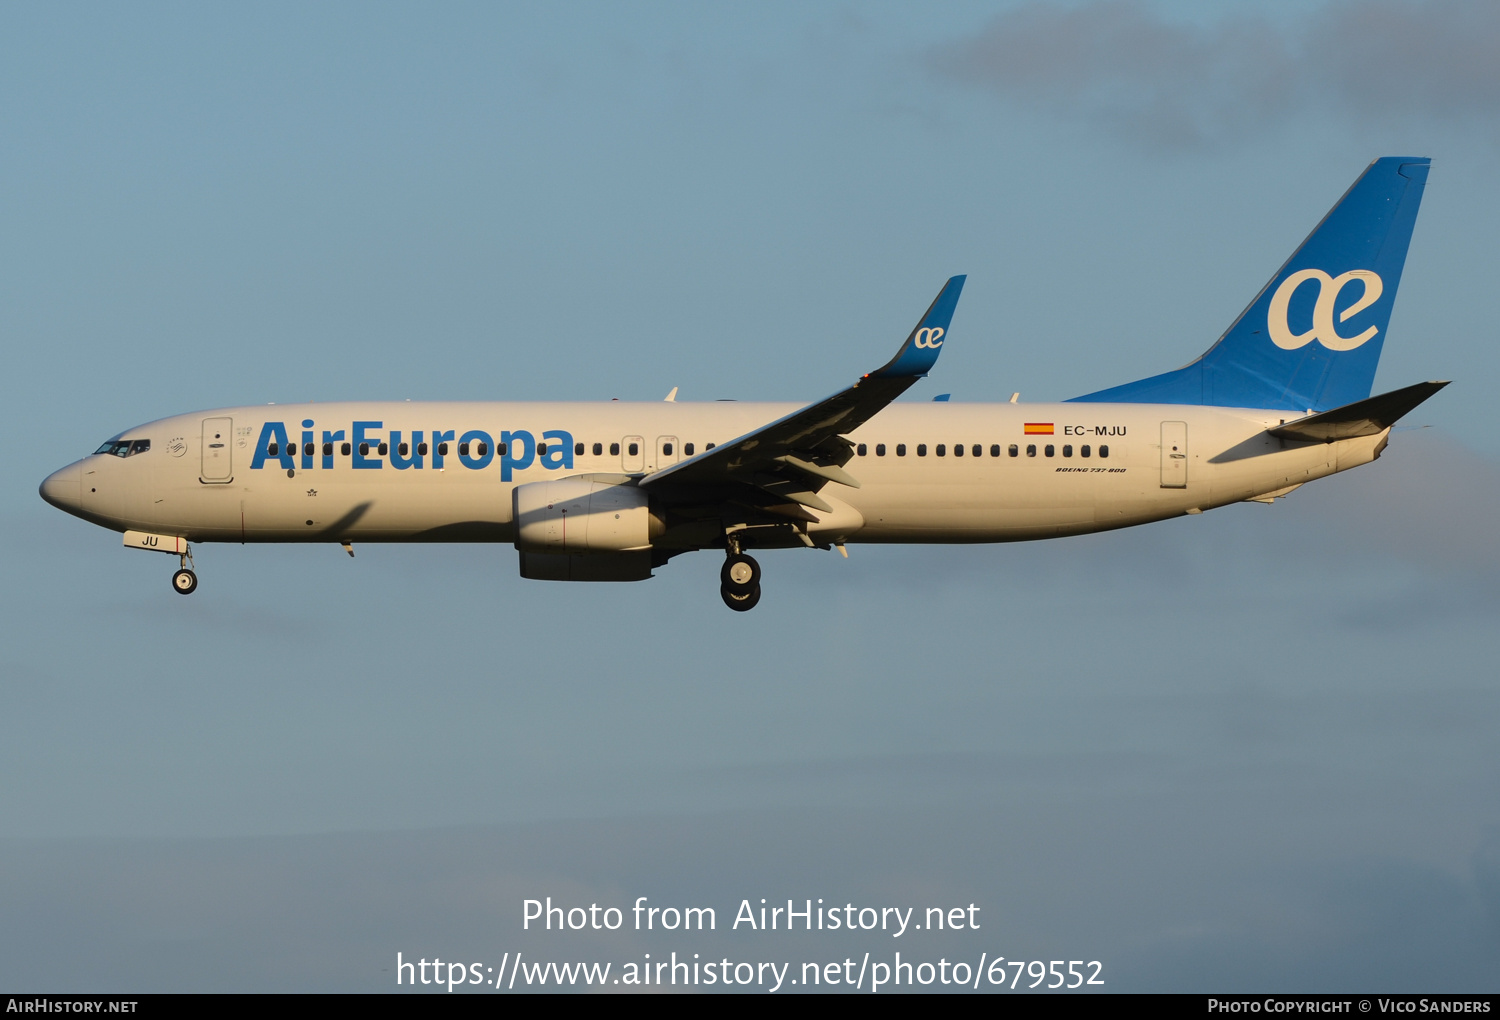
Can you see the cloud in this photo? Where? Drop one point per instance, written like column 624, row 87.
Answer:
column 1121, row 64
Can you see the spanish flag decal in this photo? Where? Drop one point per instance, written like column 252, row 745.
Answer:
column 1039, row 428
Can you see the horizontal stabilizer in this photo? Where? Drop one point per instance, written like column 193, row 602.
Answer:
column 1362, row 418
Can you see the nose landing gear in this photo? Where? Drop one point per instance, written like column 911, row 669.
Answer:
column 739, row 582
column 185, row 582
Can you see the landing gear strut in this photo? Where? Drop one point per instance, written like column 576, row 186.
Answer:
column 739, row 582
column 185, row 582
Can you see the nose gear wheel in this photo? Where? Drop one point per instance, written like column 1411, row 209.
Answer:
column 185, row 582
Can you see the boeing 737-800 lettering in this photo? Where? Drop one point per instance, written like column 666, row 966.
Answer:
column 611, row 491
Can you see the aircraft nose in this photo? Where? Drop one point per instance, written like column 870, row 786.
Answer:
column 64, row 489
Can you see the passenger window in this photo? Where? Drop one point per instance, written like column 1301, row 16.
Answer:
column 861, row 449
column 958, row 449
column 977, row 450
column 384, row 449
column 1067, row 451
column 633, row 449
column 921, row 449
column 880, row 449
column 598, row 449
column 1031, row 449
column 708, row 446
column 614, row 449
column 995, row 450
column 1083, row 451
column 421, row 449
column 540, row 449
column 578, row 449
column 1104, row 451
column 463, row 449
column 442, row 450
column 484, row 448
column 666, row 449
column 328, row 449
column 402, row 449
column 272, row 450
column 345, row 449
column 687, row 448
column 1014, row 450
column 364, row 449
column 1049, row 450
column 901, row 449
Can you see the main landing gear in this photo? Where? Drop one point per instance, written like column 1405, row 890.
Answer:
column 185, row 582
column 739, row 582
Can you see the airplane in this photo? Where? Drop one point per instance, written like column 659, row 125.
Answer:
column 611, row 491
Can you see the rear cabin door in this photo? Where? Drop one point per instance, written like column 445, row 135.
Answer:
column 218, row 451
column 1174, row 459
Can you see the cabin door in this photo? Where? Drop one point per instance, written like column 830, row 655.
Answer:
column 1174, row 455
column 218, row 450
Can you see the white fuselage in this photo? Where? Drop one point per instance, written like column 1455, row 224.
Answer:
column 207, row 476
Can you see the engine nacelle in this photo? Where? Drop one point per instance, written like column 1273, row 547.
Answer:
column 581, row 515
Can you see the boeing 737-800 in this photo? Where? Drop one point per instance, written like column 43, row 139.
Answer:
column 611, row 491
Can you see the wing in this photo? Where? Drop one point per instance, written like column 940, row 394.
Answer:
column 778, row 469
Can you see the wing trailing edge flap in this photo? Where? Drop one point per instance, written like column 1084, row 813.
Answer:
column 1362, row 418
column 779, row 468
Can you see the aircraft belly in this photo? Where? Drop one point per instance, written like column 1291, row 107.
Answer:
column 980, row 512
column 325, row 507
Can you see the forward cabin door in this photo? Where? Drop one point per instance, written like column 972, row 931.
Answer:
column 1174, row 458
column 218, row 451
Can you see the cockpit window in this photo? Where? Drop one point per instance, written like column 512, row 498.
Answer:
column 125, row 447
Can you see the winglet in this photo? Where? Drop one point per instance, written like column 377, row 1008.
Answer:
column 920, row 352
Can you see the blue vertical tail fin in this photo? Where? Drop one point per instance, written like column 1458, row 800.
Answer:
column 1312, row 337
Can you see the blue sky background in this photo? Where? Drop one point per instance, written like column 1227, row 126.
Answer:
column 1253, row 750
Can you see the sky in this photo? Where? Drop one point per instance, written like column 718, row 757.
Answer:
column 1253, row 750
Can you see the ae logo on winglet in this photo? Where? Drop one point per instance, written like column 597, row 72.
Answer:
column 1323, row 329
column 930, row 338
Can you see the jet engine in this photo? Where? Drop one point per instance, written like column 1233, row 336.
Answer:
column 582, row 515
column 584, row 529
